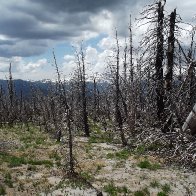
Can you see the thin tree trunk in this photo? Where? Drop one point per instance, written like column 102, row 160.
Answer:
column 84, row 103
column 117, row 107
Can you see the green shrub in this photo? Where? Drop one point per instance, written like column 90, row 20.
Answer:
column 140, row 149
column 41, row 162
column 113, row 190
column 2, row 190
column 147, row 165
column 16, row 161
column 161, row 194
column 123, row 154
column 12, row 160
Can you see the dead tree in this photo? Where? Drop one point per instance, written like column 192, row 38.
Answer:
column 170, row 52
column 84, row 97
column 95, row 111
column 118, row 115
column 159, row 62
column 68, row 120
column 131, row 52
column 82, row 77
column 131, row 95
column 192, row 78
column 169, row 69
column 150, row 78
column 10, row 86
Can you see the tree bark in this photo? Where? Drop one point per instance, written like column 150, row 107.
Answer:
column 170, row 52
column 118, row 114
column 159, row 63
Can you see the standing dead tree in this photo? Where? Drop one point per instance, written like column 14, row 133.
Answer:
column 192, row 78
column 82, row 76
column 159, row 62
column 169, row 69
column 67, row 119
column 131, row 95
column 150, row 64
column 84, row 97
column 118, row 115
column 170, row 52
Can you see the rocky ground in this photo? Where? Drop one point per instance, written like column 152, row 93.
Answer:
column 32, row 163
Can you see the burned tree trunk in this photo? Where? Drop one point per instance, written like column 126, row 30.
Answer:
column 84, row 102
column 169, row 68
column 192, row 77
column 95, row 101
column 159, row 63
column 10, row 86
column 85, row 114
column 170, row 52
column 118, row 114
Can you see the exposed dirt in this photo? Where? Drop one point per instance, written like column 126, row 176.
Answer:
column 108, row 167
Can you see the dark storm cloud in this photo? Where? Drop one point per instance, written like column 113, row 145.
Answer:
column 39, row 20
column 6, row 43
column 27, row 23
column 80, row 5
column 29, row 27
column 22, row 48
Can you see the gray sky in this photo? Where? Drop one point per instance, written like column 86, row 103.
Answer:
column 29, row 29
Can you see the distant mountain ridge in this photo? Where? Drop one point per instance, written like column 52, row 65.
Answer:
column 42, row 85
column 26, row 86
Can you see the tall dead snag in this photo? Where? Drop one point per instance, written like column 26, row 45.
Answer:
column 131, row 51
column 95, row 101
column 82, row 77
column 118, row 114
column 84, row 103
column 159, row 62
column 62, row 99
column 132, row 105
column 192, row 78
column 10, row 86
column 170, row 52
column 169, row 66
column 11, row 113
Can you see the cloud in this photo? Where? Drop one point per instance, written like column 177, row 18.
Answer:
column 31, row 27
column 96, row 58
column 37, row 25
column 22, row 69
column 80, row 6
